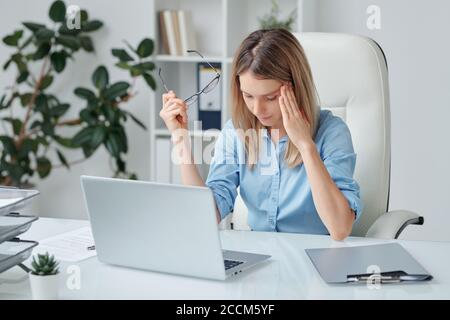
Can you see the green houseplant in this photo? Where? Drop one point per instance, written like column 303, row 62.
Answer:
column 44, row 276
column 273, row 21
column 33, row 117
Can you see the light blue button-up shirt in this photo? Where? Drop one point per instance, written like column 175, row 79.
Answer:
column 279, row 198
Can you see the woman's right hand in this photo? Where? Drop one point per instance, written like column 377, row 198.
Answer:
column 174, row 112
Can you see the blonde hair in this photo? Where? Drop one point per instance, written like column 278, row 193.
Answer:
column 272, row 54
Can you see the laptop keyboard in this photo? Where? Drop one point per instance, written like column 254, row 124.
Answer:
column 231, row 263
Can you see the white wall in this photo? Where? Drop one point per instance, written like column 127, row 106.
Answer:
column 414, row 36
column 60, row 193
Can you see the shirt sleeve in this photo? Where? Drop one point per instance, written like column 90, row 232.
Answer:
column 223, row 176
column 339, row 158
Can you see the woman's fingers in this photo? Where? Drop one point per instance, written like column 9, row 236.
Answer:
column 292, row 102
column 174, row 105
column 178, row 112
column 167, row 96
column 172, row 101
column 283, row 108
column 176, row 109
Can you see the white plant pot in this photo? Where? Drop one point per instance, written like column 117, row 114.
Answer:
column 44, row 287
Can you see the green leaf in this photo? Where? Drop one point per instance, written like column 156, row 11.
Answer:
column 116, row 90
column 86, row 43
column 59, row 110
column 111, row 114
column 33, row 27
column 23, row 76
column 8, row 145
column 15, row 123
column 87, row 151
column 89, row 26
column 134, row 72
column 100, row 77
column 145, row 48
column 120, row 165
column 18, row 59
column 123, row 65
column 84, row 16
column 70, row 42
column 44, row 166
column 148, row 66
column 57, row 11
column 15, row 171
column 25, row 99
column 122, row 55
column 35, row 124
column 65, row 142
column 13, row 39
column 44, row 35
column 112, row 144
column 28, row 146
column 123, row 142
column 88, row 117
column 58, row 60
column 46, row 82
column 63, row 160
column 7, row 63
column 64, row 30
column 83, row 136
column 133, row 176
column 98, row 136
column 85, row 93
column 150, row 81
column 42, row 140
column 42, row 51
column 48, row 128
column 138, row 122
column 41, row 103
column 2, row 100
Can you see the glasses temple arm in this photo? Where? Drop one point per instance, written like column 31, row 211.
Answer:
column 195, row 51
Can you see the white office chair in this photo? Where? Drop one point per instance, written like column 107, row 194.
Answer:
column 350, row 73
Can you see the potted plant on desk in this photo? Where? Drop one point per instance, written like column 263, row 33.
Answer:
column 44, row 277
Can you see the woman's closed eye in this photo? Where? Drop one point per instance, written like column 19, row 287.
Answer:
column 268, row 98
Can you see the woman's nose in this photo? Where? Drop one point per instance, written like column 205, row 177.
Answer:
column 258, row 107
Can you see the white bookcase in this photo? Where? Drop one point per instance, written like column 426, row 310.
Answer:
column 220, row 25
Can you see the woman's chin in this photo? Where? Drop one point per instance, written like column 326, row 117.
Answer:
column 266, row 121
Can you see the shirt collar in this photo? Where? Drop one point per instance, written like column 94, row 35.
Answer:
column 266, row 135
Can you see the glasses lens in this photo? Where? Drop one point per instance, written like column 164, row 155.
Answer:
column 191, row 100
column 211, row 85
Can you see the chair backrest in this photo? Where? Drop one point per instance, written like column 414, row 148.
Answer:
column 351, row 78
column 350, row 73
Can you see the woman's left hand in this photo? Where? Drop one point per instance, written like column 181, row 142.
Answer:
column 294, row 121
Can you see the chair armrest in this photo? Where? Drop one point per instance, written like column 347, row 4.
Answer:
column 391, row 224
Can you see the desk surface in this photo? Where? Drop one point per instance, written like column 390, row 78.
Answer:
column 289, row 274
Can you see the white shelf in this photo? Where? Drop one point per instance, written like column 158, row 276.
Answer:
column 204, row 133
column 169, row 58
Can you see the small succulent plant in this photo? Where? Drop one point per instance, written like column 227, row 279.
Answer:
column 44, row 265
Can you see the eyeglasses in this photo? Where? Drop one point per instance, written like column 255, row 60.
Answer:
column 208, row 88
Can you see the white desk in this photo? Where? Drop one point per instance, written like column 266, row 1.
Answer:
column 288, row 275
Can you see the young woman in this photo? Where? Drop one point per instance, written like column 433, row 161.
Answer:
column 293, row 162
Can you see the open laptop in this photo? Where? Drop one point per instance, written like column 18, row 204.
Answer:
column 160, row 227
